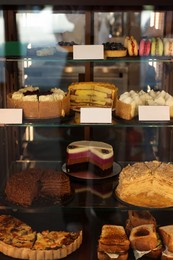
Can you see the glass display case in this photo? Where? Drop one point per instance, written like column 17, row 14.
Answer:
column 41, row 143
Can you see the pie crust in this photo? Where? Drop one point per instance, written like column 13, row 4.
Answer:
column 18, row 240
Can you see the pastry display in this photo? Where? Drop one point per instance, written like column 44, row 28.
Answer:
column 18, row 240
column 132, row 46
column 144, row 47
column 128, row 102
column 113, row 243
column 90, row 156
column 156, row 46
column 146, row 184
column 23, row 188
column 92, row 94
column 38, row 104
column 114, row 49
column 68, row 46
column 145, row 241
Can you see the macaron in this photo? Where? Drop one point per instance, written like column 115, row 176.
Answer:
column 144, row 47
column 156, row 46
column 168, row 47
column 132, row 46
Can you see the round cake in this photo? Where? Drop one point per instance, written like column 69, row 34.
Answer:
column 37, row 104
column 68, row 46
column 93, row 156
column 23, row 188
column 146, row 184
column 114, row 49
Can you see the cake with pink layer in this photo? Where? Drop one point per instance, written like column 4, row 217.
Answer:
column 93, row 156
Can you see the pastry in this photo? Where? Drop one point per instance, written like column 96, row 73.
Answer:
column 132, row 46
column 128, row 102
column 37, row 104
column 156, row 46
column 92, row 94
column 146, row 184
column 21, row 242
column 23, row 188
column 89, row 155
column 68, row 46
column 114, row 49
column 168, row 47
column 144, row 47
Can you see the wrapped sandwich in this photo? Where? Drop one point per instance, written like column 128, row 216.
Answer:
column 113, row 243
column 145, row 241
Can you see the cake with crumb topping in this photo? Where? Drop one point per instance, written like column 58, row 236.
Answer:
column 146, row 184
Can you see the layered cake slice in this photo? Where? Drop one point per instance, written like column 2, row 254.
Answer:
column 92, row 94
column 93, row 156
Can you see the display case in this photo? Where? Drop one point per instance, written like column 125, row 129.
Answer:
column 42, row 143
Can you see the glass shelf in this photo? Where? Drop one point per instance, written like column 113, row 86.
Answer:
column 74, row 122
column 108, row 61
column 86, row 193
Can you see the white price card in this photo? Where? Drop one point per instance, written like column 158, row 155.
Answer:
column 11, row 116
column 96, row 115
column 87, row 52
column 154, row 113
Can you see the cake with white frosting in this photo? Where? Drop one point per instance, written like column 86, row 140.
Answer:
column 128, row 102
column 40, row 104
column 91, row 156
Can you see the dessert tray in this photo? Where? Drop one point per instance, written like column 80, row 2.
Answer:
column 87, row 175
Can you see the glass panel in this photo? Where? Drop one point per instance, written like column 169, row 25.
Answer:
column 53, row 70
column 114, row 27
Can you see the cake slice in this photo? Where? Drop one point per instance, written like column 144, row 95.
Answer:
column 94, row 94
column 91, row 156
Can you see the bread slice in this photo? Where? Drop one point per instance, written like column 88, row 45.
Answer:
column 113, row 239
column 166, row 233
column 141, row 217
column 143, row 237
column 137, row 218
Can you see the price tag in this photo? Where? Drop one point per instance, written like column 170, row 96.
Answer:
column 87, row 52
column 96, row 115
column 11, row 116
column 154, row 113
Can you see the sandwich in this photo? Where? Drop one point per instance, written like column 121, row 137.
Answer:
column 145, row 241
column 166, row 234
column 137, row 218
column 113, row 243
